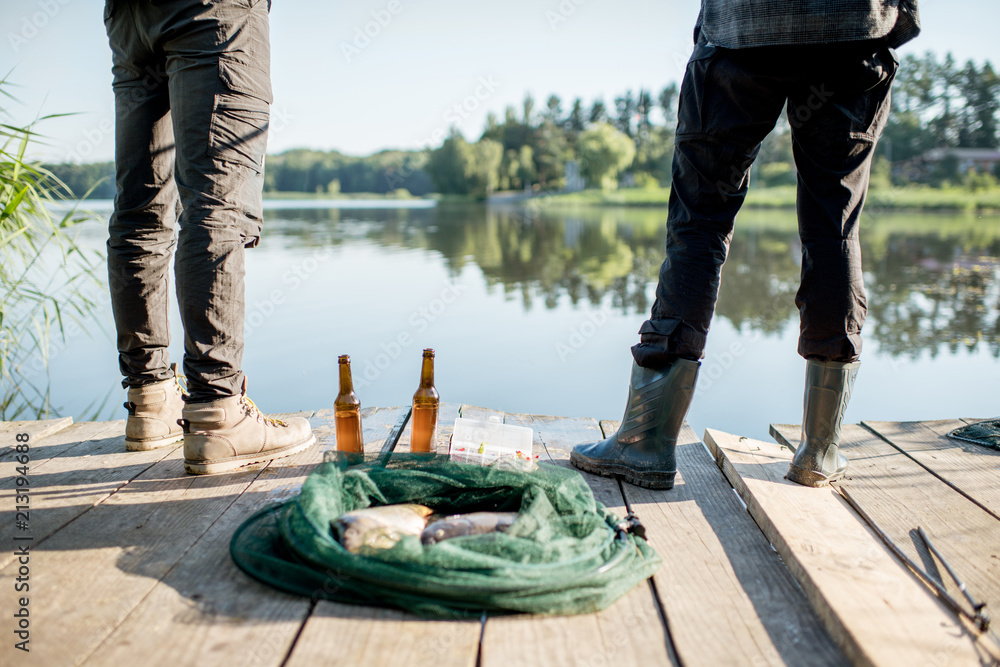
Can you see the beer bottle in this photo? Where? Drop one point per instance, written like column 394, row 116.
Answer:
column 347, row 412
column 425, row 408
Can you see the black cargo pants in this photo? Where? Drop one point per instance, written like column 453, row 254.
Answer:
column 837, row 100
column 192, row 93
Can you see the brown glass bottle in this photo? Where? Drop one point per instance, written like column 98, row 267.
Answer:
column 347, row 412
column 425, row 408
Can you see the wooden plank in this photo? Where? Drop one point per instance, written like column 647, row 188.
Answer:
column 339, row 634
column 349, row 635
column 35, row 429
column 876, row 611
column 91, row 574
column 58, row 443
column 629, row 632
column 90, row 464
column 899, row 495
column 970, row 469
column 221, row 612
column 718, row 565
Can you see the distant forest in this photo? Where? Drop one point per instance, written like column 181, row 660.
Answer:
column 937, row 103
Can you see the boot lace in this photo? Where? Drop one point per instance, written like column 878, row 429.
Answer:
column 254, row 411
column 181, row 385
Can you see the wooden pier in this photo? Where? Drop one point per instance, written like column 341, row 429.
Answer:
column 129, row 560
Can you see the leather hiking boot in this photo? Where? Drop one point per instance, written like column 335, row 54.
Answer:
column 153, row 414
column 642, row 451
column 818, row 460
column 231, row 432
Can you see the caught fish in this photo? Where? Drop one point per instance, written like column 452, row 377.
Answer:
column 379, row 527
column 460, row 525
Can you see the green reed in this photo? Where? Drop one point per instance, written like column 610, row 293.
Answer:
column 48, row 283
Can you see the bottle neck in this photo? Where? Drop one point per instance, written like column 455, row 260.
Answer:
column 427, row 372
column 346, row 383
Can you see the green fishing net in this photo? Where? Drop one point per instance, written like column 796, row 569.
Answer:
column 985, row 433
column 565, row 553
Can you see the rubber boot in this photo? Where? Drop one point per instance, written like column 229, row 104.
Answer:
column 231, row 432
column 818, row 460
column 153, row 412
column 641, row 452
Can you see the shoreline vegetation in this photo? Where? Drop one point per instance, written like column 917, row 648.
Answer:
column 939, row 152
column 906, row 198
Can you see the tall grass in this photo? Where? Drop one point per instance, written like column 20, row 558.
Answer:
column 47, row 281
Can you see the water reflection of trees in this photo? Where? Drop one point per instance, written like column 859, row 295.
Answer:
column 933, row 282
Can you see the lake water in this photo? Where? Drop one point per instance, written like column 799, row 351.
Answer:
column 534, row 311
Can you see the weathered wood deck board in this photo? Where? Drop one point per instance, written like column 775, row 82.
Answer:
column 224, row 616
column 60, row 442
column 96, row 569
column 718, row 565
column 349, row 635
column 899, row 495
column 628, row 632
column 968, row 468
column 876, row 610
column 36, row 429
column 89, row 462
column 130, row 559
column 339, row 634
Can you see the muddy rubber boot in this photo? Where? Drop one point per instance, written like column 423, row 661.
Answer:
column 229, row 433
column 153, row 412
column 818, row 460
column 642, row 451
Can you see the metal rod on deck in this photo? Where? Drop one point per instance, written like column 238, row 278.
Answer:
column 979, row 619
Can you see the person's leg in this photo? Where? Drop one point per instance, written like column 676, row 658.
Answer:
column 141, row 229
column 729, row 101
column 836, row 116
column 141, row 235
column 219, row 80
column 218, row 69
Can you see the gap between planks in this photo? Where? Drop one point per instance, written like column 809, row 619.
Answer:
column 630, row 631
column 969, row 469
column 349, row 635
column 718, row 564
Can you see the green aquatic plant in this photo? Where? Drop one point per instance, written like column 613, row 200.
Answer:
column 48, row 283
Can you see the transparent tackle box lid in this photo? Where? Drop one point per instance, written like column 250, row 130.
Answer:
column 492, row 443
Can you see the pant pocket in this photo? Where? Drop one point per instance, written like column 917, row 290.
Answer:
column 240, row 114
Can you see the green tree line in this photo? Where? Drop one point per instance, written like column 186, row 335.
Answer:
column 937, row 103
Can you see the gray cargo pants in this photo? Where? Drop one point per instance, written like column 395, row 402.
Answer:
column 192, row 93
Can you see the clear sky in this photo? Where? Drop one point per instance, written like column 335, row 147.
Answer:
column 402, row 86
